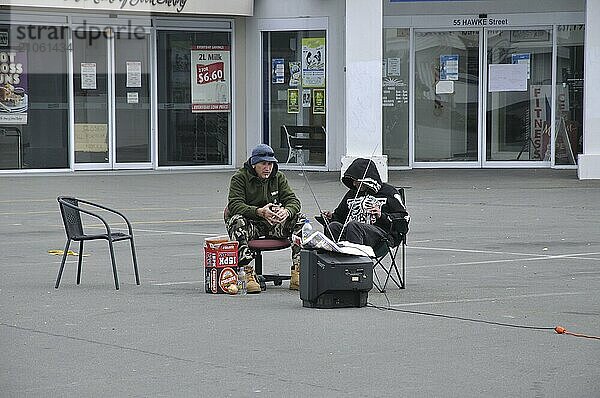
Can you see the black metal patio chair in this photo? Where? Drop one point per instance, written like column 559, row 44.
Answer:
column 71, row 211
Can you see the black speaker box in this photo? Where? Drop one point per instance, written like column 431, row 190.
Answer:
column 334, row 280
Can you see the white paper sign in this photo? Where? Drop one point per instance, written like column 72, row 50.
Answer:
column 88, row 75
column 134, row 74
column 507, row 77
column 132, row 98
column 444, row 87
column 393, row 67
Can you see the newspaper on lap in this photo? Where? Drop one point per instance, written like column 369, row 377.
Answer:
column 318, row 240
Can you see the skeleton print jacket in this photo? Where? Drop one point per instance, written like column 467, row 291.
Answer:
column 371, row 190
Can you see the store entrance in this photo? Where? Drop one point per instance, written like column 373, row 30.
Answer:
column 111, row 87
column 465, row 118
column 447, row 97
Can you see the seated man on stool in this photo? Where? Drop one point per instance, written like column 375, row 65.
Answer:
column 365, row 213
column 261, row 203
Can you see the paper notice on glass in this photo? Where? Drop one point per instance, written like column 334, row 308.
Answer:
column 306, row 98
column 523, row 59
column 88, row 75
column 134, row 74
column 91, row 137
column 277, row 70
column 507, row 77
column 449, row 67
column 393, row 66
column 132, row 98
column 444, row 87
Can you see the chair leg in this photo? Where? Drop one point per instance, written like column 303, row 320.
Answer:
column 376, row 280
column 79, row 261
column 394, row 267
column 135, row 266
column 403, row 265
column 62, row 264
column 114, row 265
column 389, row 270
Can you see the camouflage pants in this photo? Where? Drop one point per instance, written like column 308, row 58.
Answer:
column 243, row 230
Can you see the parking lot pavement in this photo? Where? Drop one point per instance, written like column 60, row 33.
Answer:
column 496, row 259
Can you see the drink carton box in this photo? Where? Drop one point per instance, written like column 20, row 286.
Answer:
column 220, row 264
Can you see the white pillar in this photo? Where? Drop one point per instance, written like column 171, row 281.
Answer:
column 589, row 161
column 364, row 47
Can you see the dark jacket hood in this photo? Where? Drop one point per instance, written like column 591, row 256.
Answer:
column 252, row 172
column 356, row 172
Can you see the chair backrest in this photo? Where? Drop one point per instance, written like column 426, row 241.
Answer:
column 399, row 227
column 71, row 217
column 307, row 137
column 402, row 194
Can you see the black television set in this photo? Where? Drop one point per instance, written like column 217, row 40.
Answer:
column 334, row 280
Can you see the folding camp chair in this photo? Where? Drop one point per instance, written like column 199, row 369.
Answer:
column 389, row 248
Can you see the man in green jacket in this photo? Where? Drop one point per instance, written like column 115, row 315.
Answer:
column 261, row 203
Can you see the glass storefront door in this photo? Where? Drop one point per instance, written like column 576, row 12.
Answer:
column 112, row 99
column 446, row 97
column 132, row 100
column 294, row 95
column 519, row 96
column 90, row 87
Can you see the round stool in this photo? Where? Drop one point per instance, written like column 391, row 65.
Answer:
column 263, row 245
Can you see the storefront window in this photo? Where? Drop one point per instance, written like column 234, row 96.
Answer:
column 395, row 95
column 194, row 98
column 569, row 94
column 519, row 95
column 34, row 123
column 294, row 95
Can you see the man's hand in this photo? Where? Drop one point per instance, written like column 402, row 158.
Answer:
column 273, row 213
column 327, row 215
column 281, row 213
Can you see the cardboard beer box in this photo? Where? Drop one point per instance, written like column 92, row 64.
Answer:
column 220, row 264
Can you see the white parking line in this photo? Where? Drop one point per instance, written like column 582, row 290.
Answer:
column 470, row 251
column 176, row 283
column 162, row 232
column 535, row 257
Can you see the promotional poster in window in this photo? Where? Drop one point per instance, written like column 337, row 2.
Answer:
column 14, row 97
column 210, row 79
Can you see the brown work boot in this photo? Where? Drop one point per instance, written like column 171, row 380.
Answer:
column 252, row 285
column 295, row 275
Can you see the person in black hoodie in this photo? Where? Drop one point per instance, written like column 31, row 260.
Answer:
column 365, row 213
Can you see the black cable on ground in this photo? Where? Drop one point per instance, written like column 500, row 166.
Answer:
column 460, row 318
column 558, row 329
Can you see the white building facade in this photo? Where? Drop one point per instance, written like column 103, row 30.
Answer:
column 166, row 85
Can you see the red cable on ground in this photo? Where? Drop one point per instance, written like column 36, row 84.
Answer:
column 561, row 330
